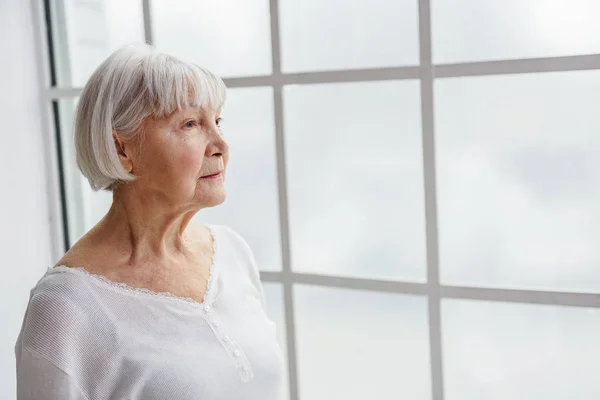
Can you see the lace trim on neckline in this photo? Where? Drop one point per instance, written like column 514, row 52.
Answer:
column 123, row 287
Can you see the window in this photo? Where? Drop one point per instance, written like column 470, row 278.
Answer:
column 418, row 180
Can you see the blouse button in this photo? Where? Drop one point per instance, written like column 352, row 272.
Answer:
column 207, row 308
column 226, row 339
column 237, row 353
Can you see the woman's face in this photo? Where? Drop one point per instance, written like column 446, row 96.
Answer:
column 182, row 158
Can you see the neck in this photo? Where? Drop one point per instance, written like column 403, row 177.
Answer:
column 146, row 227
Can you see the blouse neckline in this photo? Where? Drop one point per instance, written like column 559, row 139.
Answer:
column 208, row 298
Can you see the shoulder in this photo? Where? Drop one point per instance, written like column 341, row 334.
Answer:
column 58, row 293
column 231, row 247
column 231, row 241
column 65, row 330
column 56, row 313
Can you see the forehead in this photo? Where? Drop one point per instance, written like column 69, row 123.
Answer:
column 186, row 112
column 199, row 112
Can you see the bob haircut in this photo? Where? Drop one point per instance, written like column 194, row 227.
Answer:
column 133, row 83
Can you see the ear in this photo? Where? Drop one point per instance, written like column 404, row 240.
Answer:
column 124, row 150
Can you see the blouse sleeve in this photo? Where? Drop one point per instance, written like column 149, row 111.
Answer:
column 39, row 379
column 53, row 348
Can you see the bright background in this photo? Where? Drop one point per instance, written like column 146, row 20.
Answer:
column 419, row 180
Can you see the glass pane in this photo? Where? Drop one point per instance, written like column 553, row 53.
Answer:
column 485, row 30
column 276, row 312
column 333, row 34
column 86, row 32
column 499, row 351
column 355, row 179
column 229, row 37
column 361, row 345
column 252, row 206
column 519, row 180
column 84, row 206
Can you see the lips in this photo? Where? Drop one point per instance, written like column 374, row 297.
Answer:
column 213, row 175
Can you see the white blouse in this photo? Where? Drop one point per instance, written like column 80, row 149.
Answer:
column 85, row 337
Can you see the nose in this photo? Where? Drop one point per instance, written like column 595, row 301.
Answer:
column 218, row 145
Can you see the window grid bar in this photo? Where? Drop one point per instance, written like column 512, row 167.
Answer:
column 523, row 296
column 303, row 78
column 567, row 299
column 58, row 93
column 523, row 66
column 431, row 225
column 287, row 276
column 374, row 285
column 148, row 32
column 288, row 294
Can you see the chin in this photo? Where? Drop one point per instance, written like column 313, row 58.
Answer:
column 212, row 199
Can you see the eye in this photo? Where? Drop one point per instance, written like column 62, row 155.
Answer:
column 190, row 124
column 218, row 121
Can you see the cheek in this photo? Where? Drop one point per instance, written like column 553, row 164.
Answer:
column 176, row 161
column 188, row 161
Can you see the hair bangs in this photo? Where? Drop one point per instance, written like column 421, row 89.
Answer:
column 182, row 85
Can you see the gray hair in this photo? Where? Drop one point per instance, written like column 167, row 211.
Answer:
column 134, row 82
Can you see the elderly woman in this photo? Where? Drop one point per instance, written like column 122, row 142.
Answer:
column 148, row 305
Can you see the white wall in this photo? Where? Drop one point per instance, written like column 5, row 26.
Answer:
column 25, row 246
